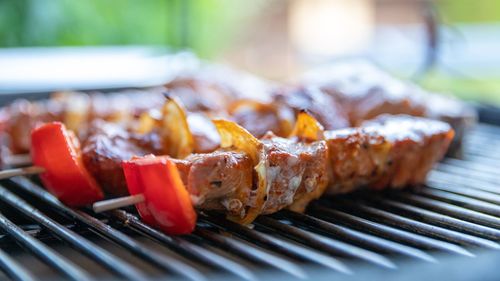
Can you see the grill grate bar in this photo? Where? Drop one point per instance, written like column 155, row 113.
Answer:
column 83, row 245
column 469, row 165
column 465, row 191
column 415, row 226
column 251, row 253
column 480, row 175
column 394, row 234
column 280, row 246
column 160, row 261
column 331, row 246
column 434, row 218
column 463, row 181
column 365, row 240
column 184, row 247
column 13, row 269
column 460, row 200
column 46, row 254
column 450, row 210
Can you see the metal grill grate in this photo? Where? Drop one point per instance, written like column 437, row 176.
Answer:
column 457, row 213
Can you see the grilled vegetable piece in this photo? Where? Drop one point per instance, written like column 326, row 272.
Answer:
column 388, row 152
column 175, row 131
column 57, row 150
column 236, row 137
column 167, row 203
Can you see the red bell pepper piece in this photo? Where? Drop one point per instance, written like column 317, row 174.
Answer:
column 57, row 150
column 167, row 203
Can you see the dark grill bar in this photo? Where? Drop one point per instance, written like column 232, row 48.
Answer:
column 456, row 214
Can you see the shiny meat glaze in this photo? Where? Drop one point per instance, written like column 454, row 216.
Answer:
column 296, row 173
column 318, row 103
column 107, row 146
column 390, row 151
column 77, row 110
column 365, row 91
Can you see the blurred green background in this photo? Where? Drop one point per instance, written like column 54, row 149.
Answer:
column 203, row 26
column 208, row 27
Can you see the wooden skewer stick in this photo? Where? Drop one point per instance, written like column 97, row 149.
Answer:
column 17, row 160
column 116, row 203
column 98, row 207
column 33, row 170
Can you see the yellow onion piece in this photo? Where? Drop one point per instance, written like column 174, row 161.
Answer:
column 75, row 108
column 177, row 137
column 307, row 128
column 236, row 137
column 260, row 194
column 146, row 123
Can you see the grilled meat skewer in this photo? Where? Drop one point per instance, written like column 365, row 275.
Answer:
column 339, row 96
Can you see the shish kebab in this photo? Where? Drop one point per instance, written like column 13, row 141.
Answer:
column 297, row 171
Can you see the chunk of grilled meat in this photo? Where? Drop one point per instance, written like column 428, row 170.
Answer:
column 106, row 146
column 77, row 110
column 390, row 151
column 222, row 179
column 296, row 172
column 366, row 91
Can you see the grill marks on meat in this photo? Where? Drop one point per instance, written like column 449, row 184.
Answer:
column 106, row 146
column 390, row 151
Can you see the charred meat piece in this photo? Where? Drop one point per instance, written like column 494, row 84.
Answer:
column 106, row 146
column 390, row 151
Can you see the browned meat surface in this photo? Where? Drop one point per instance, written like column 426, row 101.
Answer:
column 390, row 151
column 76, row 110
column 260, row 118
column 296, row 173
column 365, row 92
column 21, row 116
column 206, row 137
column 106, row 146
column 319, row 104
column 218, row 180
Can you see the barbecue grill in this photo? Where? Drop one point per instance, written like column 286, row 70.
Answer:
column 450, row 228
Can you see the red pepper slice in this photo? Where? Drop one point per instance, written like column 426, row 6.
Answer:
column 167, row 202
column 57, row 150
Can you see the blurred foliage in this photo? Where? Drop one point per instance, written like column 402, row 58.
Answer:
column 205, row 25
column 469, row 10
column 484, row 89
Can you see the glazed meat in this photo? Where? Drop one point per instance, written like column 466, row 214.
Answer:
column 318, row 103
column 76, row 110
column 107, row 146
column 390, row 151
column 296, row 172
column 366, row 91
